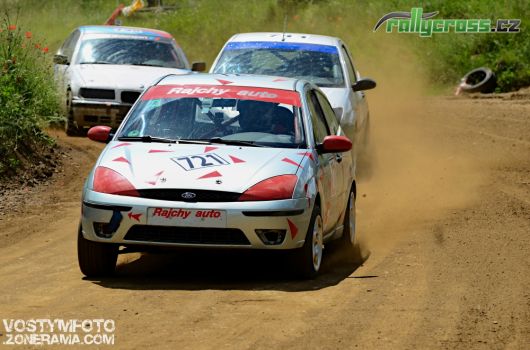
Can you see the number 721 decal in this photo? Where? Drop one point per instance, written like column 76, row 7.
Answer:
column 199, row 161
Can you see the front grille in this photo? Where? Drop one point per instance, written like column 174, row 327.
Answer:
column 186, row 235
column 129, row 96
column 91, row 118
column 200, row 195
column 103, row 94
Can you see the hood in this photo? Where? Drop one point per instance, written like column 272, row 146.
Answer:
column 121, row 76
column 206, row 167
column 336, row 96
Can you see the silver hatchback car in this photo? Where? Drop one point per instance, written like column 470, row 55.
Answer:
column 240, row 162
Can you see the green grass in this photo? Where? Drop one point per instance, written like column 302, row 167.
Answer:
column 202, row 26
column 28, row 98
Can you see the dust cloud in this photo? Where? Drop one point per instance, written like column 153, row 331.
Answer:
column 416, row 176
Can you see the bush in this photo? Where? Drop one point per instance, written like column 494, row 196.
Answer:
column 28, row 98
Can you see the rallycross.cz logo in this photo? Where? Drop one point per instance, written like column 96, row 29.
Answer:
column 416, row 21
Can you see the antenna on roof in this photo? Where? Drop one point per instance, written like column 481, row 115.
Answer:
column 284, row 27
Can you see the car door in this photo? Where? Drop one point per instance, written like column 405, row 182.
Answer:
column 357, row 98
column 327, row 169
column 340, row 169
column 62, row 71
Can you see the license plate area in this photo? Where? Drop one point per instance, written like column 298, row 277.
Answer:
column 186, row 217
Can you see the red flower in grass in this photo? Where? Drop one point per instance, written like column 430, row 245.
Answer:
column 12, row 27
column 28, row 35
column 45, row 50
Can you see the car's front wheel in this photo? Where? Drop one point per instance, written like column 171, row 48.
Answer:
column 308, row 259
column 70, row 126
column 95, row 258
column 349, row 237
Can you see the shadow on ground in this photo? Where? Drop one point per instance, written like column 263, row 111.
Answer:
column 227, row 270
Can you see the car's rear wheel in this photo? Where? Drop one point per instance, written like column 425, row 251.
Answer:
column 349, row 237
column 96, row 259
column 308, row 259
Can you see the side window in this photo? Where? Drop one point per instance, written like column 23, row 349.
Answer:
column 69, row 44
column 320, row 127
column 349, row 65
column 329, row 114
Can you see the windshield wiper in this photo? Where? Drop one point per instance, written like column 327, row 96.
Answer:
column 146, row 138
column 97, row 62
column 149, row 138
column 235, row 142
column 145, row 64
column 194, row 142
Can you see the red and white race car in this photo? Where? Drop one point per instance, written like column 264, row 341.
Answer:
column 242, row 162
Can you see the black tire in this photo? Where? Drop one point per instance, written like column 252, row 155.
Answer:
column 71, row 129
column 479, row 80
column 303, row 257
column 96, row 259
column 70, row 126
column 349, row 236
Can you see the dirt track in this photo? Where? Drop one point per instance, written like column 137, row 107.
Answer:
column 445, row 230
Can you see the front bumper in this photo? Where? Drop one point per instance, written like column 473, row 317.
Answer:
column 133, row 223
column 89, row 113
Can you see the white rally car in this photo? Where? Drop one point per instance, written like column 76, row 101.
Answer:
column 103, row 69
column 322, row 60
column 226, row 161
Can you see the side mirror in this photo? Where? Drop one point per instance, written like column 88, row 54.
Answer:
column 198, row 66
column 364, row 84
column 60, row 59
column 334, row 144
column 100, row 133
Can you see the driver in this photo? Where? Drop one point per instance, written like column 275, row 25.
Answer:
column 255, row 116
column 282, row 121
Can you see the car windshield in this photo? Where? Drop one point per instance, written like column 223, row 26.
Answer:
column 234, row 115
column 319, row 64
column 140, row 52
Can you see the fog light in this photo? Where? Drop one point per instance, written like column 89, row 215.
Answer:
column 106, row 230
column 102, row 229
column 271, row 237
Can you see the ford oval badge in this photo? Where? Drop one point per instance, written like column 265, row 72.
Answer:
column 188, row 195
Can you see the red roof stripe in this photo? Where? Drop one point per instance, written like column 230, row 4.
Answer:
column 224, row 91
